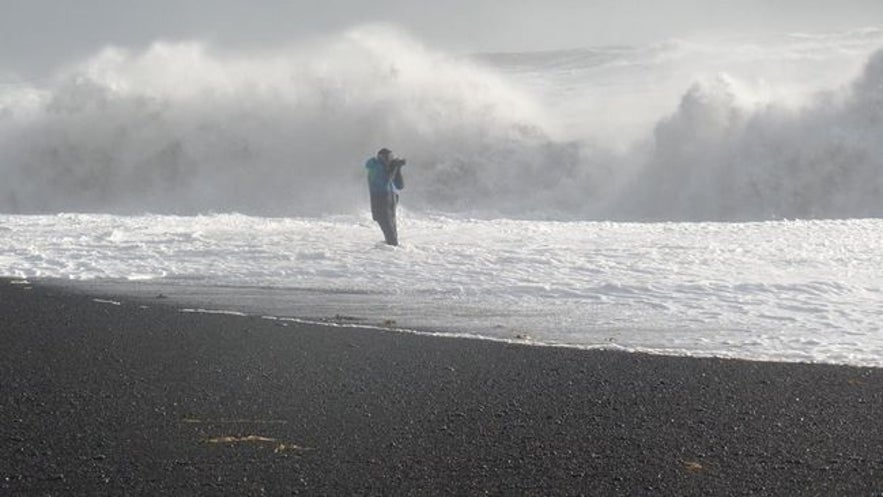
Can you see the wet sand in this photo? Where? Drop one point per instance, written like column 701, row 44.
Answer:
column 123, row 396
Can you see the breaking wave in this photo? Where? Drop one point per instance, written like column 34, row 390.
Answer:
column 185, row 128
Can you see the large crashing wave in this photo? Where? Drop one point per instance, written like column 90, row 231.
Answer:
column 715, row 159
column 182, row 128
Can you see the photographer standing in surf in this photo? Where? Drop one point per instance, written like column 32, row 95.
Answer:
column 384, row 182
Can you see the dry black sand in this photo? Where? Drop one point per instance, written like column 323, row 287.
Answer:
column 102, row 399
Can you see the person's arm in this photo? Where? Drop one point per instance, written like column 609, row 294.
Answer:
column 397, row 179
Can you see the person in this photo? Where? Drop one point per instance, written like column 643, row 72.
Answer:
column 384, row 182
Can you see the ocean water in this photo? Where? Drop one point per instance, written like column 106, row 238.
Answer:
column 777, row 290
column 713, row 198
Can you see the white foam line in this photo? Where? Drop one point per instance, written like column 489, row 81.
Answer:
column 215, row 311
column 109, row 302
column 19, row 282
column 663, row 352
column 517, row 341
column 444, row 334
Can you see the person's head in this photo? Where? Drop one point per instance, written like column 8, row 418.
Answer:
column 384, row 154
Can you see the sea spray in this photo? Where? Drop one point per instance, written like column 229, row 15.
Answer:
column 183, row 127
column 716, row 159
column 180, row 128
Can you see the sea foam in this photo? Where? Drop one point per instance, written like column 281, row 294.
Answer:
column 784, row 290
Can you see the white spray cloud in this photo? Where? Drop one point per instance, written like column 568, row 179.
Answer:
column 719, row 158
column 182, row 128
column 178, row 127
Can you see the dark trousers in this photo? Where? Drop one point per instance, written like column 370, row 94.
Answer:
column 383, row 210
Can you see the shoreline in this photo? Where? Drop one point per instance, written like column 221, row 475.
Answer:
column 311, row 307
column 124, row 395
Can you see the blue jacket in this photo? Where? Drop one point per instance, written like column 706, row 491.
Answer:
column 379, row 181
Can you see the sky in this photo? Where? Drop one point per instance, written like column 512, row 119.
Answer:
column 37, row 36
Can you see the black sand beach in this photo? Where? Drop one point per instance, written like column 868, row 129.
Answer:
column 105, row 399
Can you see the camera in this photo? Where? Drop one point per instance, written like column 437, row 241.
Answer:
column 397, row 162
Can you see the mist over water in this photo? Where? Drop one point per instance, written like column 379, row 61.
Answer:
column 671, row 132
